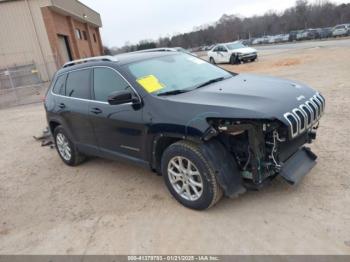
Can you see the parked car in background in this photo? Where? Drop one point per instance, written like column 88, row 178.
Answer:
column 233, row 53
column 284, row 38
column 300, row 35
column 272, row 39
column 312, row 34
column 293, row 35
column 341, row 30
column 246, row 42
column 307, row 34
column 279, row 38
column 265, row 39
column 324, row 32
column 257, row 41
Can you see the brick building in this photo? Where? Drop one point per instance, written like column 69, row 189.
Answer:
column 47, row 33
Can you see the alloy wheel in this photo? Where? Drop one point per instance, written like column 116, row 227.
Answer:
column 185, row 178
column 63, row 146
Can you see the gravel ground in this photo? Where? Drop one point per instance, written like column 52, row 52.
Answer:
column 105, row 207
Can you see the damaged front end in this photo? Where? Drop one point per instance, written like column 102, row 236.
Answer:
column 263, row 149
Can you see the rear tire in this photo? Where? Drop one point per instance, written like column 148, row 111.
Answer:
column 66, row 148
column 189, row 176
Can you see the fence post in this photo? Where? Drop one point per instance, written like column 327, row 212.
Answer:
column 12, row 84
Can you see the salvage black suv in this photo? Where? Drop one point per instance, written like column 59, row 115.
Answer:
column 207, row 131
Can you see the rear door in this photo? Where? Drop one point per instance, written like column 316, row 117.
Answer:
column 74, row 106
column 118, row 128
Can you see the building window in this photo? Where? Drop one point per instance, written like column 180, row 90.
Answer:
column 78, row 34
column 95, row 40
column 85, row 35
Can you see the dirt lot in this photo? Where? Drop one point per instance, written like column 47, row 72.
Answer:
column 105, row 207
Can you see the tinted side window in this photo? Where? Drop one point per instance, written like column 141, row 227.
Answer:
column 223, row 49
column 78, row 84
column 107, row 81
column 59, row 87
column 219, row 48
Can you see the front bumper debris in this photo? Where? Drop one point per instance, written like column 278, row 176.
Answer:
column 248, row 56
column 298, row 166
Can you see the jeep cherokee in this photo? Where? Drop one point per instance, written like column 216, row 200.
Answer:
column 207, row 131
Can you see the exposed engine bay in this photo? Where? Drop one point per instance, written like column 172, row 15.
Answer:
column 260, row 148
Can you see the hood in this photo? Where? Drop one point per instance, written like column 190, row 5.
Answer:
column 244, row 96
column 245, row 50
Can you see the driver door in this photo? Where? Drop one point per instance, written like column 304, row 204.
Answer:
column 215, row 53
column 118, row 128
column 221, row 54
column 225, row 56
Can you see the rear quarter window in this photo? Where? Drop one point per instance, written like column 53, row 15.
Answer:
column 59, row 87
column 79, row 84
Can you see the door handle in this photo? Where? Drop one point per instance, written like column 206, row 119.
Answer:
column 96, row 111
column 62, row 106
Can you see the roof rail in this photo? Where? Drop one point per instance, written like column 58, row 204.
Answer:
column 160, row 49
column 91, row 59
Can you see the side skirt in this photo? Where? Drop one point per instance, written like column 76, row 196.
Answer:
column 112, row 155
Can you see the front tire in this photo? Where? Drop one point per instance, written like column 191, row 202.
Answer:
column 234, row 60
column 189, row 176
column 212, row 61
column 66, row 148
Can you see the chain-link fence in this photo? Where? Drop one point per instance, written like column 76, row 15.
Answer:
column 23, row 82
column 20, row 85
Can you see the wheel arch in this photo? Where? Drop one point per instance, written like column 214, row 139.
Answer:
column 53, row 124
column 215, row 152
column 161, row 142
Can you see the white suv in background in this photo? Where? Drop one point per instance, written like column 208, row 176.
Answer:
column 341, row 30
column 233, row 53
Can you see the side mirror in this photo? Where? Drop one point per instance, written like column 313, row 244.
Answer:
column 121, row 97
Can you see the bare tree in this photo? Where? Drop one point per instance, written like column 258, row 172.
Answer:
column 321, row 13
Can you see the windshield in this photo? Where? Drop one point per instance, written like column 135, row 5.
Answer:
column 235, row 46
column 176, row 72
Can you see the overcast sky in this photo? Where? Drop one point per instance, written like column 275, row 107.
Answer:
column 135, row 20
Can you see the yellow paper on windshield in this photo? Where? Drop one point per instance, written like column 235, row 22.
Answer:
column 150, row 83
